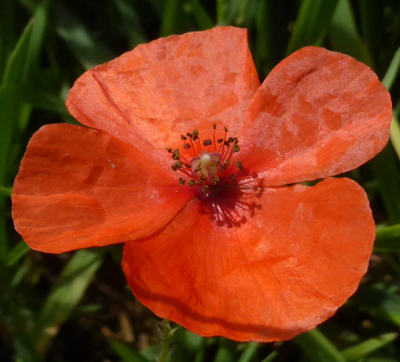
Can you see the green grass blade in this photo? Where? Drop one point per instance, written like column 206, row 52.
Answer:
column 371, row 18
column 16, row 253
column 318, row 348
column 7, row 34
column 385, row 171
column 68, row 291
column 44, row 100
column 221, row 9
column 126, row 353
column 170, row 18
column 249, row 352
column 392, row 71
column 271, row 34
column 203, row 20
column 344, row 35
column 16, row 62
column 270, row 357
column 380, row 302
column 312, row 23
column 40, row 19
column 5, row 191
column 225, row 351
column 9, row 114
column 86, row 49
column 395, row 135
column 387, row 239
column 369, row 346
column 130, row 22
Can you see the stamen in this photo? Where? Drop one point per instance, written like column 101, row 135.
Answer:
column 202, row 167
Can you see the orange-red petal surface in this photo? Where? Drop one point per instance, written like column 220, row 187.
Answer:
column 151, row 95
column 317, row 114
column 286, row 269
column 79, row 187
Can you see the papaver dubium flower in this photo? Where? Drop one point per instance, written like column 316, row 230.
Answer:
column 191, row 162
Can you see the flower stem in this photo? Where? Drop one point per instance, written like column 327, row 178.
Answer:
column 166, row 335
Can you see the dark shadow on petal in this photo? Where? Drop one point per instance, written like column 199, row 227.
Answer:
column 147, row 297
column 231, row 204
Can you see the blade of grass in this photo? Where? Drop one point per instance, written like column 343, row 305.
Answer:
column 387, row 239
column 126, row 353
column 230, row 11
column 371, row 21
column 170, row 18
column 270, row 357
column 312, row 23
column 318, row 348
column 395, row 135
column 9, row 105
column 369, row 346
column 379, row 301
column 7, row 34
column 344, row 35
column 16, row 253
column 68, row 291
column 19, row 75
column 5, row 191
column 392, row 71
column 385, row 171
column 130, row 22
column 86, row 49
column 271, row 35
column 203, row 20
column 44, row 100
column 225, row 351
column 249, row 352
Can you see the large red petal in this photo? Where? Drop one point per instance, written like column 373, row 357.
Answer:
column 289, row 267
column 151, row 95
column 317, row 114
column 79, row 187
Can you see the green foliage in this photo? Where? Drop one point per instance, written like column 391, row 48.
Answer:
column 51, row 304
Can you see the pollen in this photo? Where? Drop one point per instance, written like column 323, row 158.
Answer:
column 206, row 163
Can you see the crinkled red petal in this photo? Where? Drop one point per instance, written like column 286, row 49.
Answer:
column 299, row 256
column 151, row 95
column 79, row 187
column 317, row 114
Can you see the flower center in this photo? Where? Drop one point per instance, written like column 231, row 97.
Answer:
column 206, row 164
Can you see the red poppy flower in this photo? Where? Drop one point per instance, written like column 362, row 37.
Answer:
column 220, row 242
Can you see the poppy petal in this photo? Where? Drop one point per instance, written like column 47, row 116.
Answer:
column 298, row 258
column 79, row 187
column 317, row 114
column 151, row 95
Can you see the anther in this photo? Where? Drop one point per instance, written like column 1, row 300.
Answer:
column 191, row 183
column 239, row 165
column 186, row 146
column 236, row 148
column 183, row 138
column 207, row 142
column 204, row 189
column 176, row 165
column 175, row 154
column 169, row 149
column 220, row 140
column 181, row 181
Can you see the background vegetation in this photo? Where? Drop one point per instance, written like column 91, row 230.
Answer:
column 76, row 306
